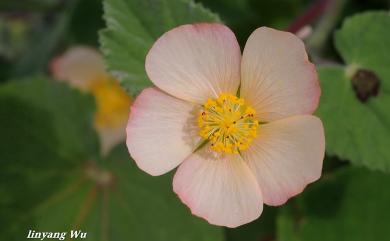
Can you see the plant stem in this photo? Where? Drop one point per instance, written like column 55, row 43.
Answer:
column 314, row 11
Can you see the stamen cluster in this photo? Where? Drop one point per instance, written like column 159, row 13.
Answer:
column 228, row 123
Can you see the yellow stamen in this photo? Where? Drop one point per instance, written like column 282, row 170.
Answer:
column 113, row 104
column 228, row 123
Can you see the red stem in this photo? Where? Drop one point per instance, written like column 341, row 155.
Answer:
column 312, row 13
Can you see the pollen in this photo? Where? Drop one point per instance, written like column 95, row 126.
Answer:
column 228, row 123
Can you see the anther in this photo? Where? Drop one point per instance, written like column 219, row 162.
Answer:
column 219, row 124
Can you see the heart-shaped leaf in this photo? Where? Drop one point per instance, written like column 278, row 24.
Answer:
column 53, row 180
column 356, row 98
column 45, row 131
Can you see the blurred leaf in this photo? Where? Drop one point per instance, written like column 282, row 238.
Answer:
column 45, row 131
column 28, row 5
column 41, row 48
column 52, row 178
column 132, row 28
column 262, row 229
column 27, row 144
column 355, row 130
column 117, row 201
column 13, row 37
column 52, row 30
column 71, row 112
column 84, row 30
column 351, row 204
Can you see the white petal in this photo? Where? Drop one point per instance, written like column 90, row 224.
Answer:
column 218, row 188
column 195, row 62
column 286, row 156
column 161, row 131
column 277, row 78
column 79, row 66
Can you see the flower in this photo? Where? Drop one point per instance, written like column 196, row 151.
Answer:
column 239, row 126
column 83, row 68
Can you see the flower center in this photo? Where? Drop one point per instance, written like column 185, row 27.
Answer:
column 112, row 102
column 228, row 123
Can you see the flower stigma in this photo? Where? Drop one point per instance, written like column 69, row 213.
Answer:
column 228, row 123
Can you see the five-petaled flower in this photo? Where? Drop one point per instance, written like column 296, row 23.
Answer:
column 83, row 68
column 240, row 127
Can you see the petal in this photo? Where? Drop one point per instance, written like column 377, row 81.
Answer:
column 277, row 78
column 220, row 189
column 286, row 156
column 110, row 137
column 161, row 131
column 79, row 66
column 195, row 62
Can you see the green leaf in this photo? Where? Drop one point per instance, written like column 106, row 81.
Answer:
column 364, row 40
column 72, row 113
column 355, row 130
column 52, row 178
column 132, row 28
column 351, row 204
column 117, row 201
column 46, row 130
column 27, row 143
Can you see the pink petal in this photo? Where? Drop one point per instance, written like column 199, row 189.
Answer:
column 195, row 62
column 286, row 156
column 79, row 65
column 220, row 189
column 277, row 77
column 111, row 136
column 161, row 131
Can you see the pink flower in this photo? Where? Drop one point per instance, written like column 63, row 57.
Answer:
column 83, row 68
column 235, row 153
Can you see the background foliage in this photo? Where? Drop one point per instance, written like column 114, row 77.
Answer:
column 54, row 177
